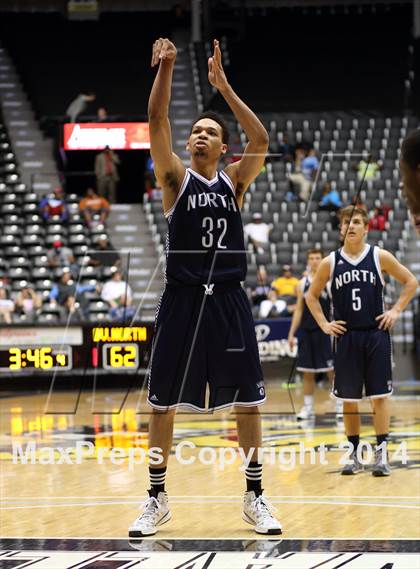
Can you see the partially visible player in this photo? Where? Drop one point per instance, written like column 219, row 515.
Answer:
column 363, row 356
column 314, row 349
column 410, row 173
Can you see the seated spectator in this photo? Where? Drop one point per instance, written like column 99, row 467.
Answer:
column 104, row 255
column 68, row 296
column 257, row 232
column 117, row 293
column 368, row 170
column 330, row 200
column 7, row 306
column 260, row 292
column 62, row 256
column 305, row 169
column 28, row 302
column 377, row 220
column 286, row 285
column 286, row 149
column 92, row 204
column 273, row 307
column 54, row 205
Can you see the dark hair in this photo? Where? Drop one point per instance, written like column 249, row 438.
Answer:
column 410, row 149
column 314, row 251
column 216, row 118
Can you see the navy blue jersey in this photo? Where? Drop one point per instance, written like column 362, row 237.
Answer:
column 205, row 240
column 308, row 322
column 357, row 288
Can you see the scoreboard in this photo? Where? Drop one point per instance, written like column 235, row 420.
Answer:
column 58, row 349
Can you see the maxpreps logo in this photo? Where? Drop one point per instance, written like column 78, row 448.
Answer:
column 272, row 349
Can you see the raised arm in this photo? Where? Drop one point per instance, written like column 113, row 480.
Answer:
column 395, row 269
column 169, row 169
column 243, row 172
column 319, row 282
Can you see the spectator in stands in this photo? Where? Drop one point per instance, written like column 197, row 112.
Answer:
column 79, row 104
column 101, row 114
column 368, row 170
column 260, row 292
column 54, row 205
column 62, row 256
column 106, row 172
column 68, row 296
column 104, row 255
column 306, row 166
column 273, row 307
column 330, row 201
column 93, row 204
column 377, row 220
column 286, row 149
column 258, row 233
column 28, row 302
column 6, row 306
column 117, row 293
column 286, row 285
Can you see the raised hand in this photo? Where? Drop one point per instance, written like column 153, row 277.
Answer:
column 217, row 77
column 163, row 49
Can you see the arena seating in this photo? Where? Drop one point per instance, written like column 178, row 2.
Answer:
column 25, row 239
column 299, row 226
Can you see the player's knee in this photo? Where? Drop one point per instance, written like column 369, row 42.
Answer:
column 239, row 410
column 350, row 407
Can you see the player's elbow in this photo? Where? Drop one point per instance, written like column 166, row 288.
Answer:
column 262, row 140
column 156, row 113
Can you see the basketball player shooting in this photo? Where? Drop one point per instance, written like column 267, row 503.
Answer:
column 363, row 356
column 204, row 330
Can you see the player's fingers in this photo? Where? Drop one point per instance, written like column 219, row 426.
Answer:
column 341, row 322
column 218, row 53
column 380, row 317
column 156, row 51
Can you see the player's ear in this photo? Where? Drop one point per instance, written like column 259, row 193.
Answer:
column 224, row 148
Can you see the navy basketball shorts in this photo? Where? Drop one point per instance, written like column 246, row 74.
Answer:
column 205, row 340
column 363, row 361
column 314, row 351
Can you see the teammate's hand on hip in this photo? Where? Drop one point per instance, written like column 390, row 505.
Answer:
column 163, row 49
column 388, row 319
column 217, row 77
column 335, row 328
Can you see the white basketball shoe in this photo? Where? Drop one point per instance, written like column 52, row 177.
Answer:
column 155, row 513
column 257, row 512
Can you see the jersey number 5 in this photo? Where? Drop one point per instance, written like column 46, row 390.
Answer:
column 208, row 239
column 356, row 300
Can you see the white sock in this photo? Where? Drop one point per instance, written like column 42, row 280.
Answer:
column 308, row 400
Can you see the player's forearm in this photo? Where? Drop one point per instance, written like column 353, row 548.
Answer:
column 253, row 127
column 160, row 94
column 407, row 294
column 296, row 320
column 316, row 309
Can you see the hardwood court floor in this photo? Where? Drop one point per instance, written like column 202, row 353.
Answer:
column 90, row 499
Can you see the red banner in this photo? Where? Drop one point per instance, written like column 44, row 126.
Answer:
column 116, row 135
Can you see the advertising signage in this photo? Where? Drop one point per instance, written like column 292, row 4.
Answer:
column 95, row 136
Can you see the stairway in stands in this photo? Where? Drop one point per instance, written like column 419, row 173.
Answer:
column 130, row 234
column 33, row 151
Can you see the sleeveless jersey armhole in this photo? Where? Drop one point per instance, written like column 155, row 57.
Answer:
column 228, row 181
column 332, row 264
column 378, row 263
column 170, row 211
